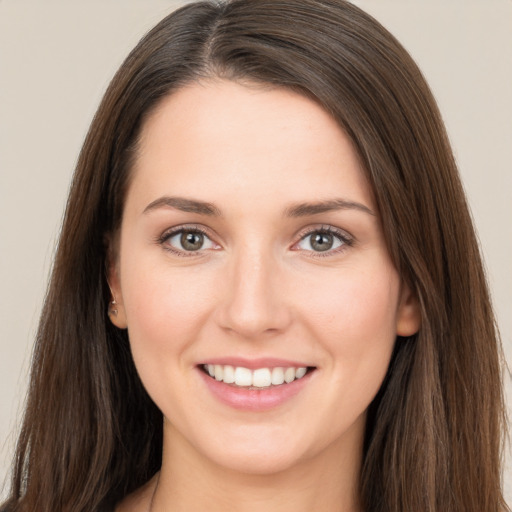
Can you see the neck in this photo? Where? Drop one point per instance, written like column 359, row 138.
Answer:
column 327, row 481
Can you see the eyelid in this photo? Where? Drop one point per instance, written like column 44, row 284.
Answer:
column 347, row 239
column 197, row 228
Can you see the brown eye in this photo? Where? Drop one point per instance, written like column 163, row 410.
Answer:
column 187, row 240
column 192, row 241
column 323, row 241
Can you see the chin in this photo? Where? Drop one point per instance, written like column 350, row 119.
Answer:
column 253, row 462
column 258, row 450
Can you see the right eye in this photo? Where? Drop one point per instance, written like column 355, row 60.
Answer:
column 187, row 241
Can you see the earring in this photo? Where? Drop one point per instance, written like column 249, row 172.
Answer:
column 112, row 310
column 112, row 307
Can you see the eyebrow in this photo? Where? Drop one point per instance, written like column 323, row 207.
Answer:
column 185, row 205
column 306, row 209
column 297, row 210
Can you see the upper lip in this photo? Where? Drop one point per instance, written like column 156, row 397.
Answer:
column 252, row 364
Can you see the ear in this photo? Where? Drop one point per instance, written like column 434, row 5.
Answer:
column 408, row 319
column 116, row 311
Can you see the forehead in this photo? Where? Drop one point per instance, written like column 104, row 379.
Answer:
column 224, row 139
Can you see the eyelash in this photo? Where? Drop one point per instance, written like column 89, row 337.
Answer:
column 167, row 235
column 345, row 239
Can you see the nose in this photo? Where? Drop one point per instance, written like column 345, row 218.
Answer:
column 254, row 303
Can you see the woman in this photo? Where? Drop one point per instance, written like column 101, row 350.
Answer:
column 258, row 300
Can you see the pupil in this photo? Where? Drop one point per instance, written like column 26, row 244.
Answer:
column 192, row 241
column 322, row 242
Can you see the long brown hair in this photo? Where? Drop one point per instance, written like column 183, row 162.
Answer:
column 434, row 433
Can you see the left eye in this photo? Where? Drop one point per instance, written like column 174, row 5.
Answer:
column 190, row 241
column 320, row 241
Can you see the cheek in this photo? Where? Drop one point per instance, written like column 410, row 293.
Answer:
column 165, row 309
column 353, row 317
column 352, row 303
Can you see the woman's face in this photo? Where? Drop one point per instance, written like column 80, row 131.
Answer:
column 251, row 247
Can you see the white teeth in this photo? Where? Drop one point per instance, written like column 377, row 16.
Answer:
column 259, row 378
column 300, row 372
column 229, row 374
column 243, row 376
column 219, row 372
column 277, row 376
column 289, row 375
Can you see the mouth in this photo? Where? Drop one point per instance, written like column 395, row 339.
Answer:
column 257, row 378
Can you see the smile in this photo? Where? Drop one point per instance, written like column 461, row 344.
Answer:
column 257, row 378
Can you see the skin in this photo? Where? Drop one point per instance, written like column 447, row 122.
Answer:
column 255, row 289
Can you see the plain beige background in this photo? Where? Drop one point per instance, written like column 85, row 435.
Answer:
column 57, row 57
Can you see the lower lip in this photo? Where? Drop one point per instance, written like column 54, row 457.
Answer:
column 254, row 399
